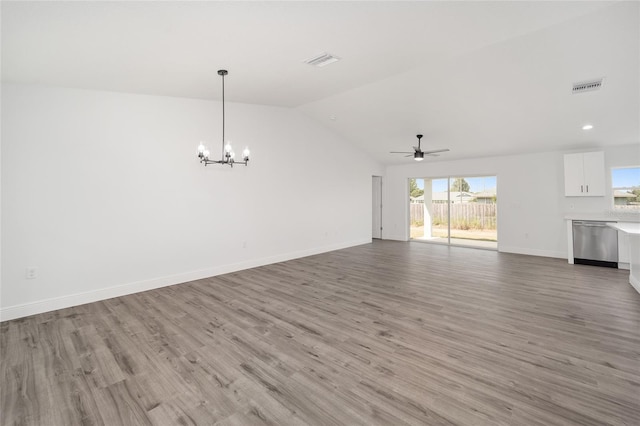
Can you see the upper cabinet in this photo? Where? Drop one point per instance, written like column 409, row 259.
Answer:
column 584, row 174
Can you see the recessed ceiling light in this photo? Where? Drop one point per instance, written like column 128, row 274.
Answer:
column 587, row 127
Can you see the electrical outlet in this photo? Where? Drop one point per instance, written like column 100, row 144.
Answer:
column 31, row 273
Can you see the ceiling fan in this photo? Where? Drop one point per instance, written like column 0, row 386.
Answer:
column 418, row 153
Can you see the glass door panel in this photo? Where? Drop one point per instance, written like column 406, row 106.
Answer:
column 438, row 210
column 429, row 210
column 473, row 211
column 416, row 208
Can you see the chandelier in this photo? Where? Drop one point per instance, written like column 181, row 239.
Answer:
column 228, row 156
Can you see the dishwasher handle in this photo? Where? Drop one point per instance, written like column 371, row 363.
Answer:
column 590, row 224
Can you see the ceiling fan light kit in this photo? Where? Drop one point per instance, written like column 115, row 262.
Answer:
column 228, row 156
column 418, row 154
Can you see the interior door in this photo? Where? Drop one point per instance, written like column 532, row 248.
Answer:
column 376, row 207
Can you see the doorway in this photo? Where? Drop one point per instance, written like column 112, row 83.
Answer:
column 454, row 210
column 376, row 207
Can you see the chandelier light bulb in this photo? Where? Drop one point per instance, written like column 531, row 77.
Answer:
column 246, row 152
column 227, row 147
column 201, row 148
column 205, row 153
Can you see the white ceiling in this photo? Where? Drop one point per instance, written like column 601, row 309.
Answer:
column 480, row 78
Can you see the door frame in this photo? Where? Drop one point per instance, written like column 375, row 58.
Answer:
column 376, row 189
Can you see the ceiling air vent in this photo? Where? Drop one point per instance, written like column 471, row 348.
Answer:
column 322, row 60
column 587, row 86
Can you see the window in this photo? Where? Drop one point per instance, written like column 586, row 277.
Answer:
column 625, row 182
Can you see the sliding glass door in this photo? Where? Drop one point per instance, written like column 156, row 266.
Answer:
column 454, row 210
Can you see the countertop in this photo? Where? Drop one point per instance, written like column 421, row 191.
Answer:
column 609, row 216
column 631, row 228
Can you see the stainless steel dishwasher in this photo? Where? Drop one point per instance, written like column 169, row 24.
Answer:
column 595, row 243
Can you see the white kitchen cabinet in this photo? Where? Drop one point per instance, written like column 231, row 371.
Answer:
column 623, row 248
column 584, row 174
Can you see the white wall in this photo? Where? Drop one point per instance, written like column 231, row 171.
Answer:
column 103, row 193
column 531, row 201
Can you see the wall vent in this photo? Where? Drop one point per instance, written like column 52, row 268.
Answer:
column 322, row 60
column 587, row 86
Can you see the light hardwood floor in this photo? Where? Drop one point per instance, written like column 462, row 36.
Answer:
column 387, row 333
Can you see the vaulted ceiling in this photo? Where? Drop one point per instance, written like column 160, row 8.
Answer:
column 479, row 78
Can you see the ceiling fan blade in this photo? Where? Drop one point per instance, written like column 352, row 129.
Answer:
column 416, row 148
column 434, row 151
column 410, row 155
column 400, row 152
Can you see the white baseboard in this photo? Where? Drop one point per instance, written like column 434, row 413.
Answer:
column 67, row 301
column 532, row 252
column 394, row 237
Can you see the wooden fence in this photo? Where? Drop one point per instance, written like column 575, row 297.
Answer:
column 463, row 215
